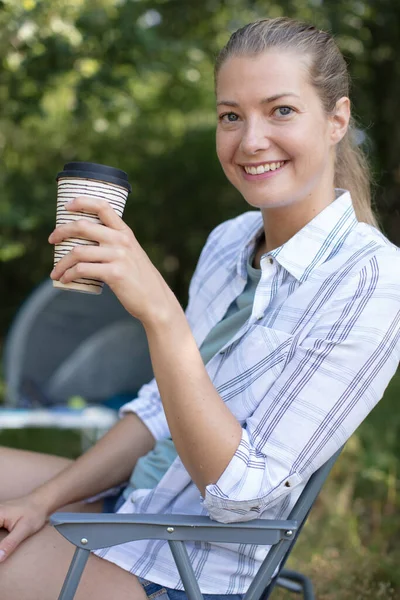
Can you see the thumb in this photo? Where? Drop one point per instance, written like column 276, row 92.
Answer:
column 11, row 542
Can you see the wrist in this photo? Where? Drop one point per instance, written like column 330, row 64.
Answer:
column 164, row 315
column 46, row 498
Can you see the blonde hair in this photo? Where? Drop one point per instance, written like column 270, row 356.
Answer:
column 329, row 75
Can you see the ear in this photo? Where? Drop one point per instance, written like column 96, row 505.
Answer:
column 340, row 118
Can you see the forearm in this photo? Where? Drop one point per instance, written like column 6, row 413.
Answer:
column 205, row 432
column 108, row 463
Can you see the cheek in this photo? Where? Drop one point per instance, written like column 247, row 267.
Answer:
column 218, row 146
column 223, row 156
column 226, row 146
column 307, row 151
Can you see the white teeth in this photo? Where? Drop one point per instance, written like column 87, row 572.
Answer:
column 264, row 168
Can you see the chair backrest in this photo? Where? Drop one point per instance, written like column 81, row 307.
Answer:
column 302, row 509
column 69, row 343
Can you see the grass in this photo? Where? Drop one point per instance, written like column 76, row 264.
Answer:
column 350, row 545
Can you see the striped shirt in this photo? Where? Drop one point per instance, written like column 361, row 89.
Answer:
column 313, row 359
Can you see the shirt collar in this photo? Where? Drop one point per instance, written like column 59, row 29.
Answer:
column 313, row 244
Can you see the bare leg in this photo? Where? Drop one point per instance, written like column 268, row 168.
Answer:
column 22, row 471
column 38, row 567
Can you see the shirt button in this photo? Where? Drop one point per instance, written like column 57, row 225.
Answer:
column 260, row 316
column 132, row 500
column 271, row 261
column 287, row 484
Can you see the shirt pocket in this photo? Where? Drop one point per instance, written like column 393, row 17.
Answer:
column 250, row 366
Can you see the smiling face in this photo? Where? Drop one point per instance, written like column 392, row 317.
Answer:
column 274, row 140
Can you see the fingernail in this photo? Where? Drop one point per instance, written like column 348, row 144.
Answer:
column 69, row 203
column 2, row 555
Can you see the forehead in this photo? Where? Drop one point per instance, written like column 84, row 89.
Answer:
column 267, row 74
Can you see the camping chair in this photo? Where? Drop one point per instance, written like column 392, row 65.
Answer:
column 92, row 531
column 65, row 346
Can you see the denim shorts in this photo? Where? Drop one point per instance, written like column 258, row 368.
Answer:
column 111, row 504
column 159, row 592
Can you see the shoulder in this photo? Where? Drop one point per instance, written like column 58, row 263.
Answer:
column 224, row 245
column 383, row 253
column 365, row 248
column 361, row 277
column 239, row 228
column 355, row 304
column 365, row 232
column 367, row 268
column 227, row 239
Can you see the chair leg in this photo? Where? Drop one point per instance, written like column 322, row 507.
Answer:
column 74, row 574
column 305, row 582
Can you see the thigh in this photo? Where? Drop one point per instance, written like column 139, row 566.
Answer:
column 22, row 471
column 38, row 567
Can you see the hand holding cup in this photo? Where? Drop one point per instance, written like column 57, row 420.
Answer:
column 115, row 257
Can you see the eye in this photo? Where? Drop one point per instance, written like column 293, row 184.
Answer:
column 283, row 111
column 229, row 117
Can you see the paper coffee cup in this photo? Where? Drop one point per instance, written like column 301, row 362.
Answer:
column 95, row 181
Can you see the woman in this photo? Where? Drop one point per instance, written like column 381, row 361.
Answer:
column 295, row 309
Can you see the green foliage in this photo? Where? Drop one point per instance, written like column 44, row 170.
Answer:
column 130, row 83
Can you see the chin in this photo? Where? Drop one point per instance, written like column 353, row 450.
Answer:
column 272, row 201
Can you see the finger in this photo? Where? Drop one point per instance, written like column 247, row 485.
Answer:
column 83, row 229
column 101, row 208
column 82, row 270
column 11, row 542
column 85, row 254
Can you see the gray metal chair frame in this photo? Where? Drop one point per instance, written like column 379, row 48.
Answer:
column 92, row 531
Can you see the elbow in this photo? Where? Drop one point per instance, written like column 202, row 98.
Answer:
column 232, row 507
column 224, row 510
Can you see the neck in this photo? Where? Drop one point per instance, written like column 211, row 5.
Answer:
column 282, row 223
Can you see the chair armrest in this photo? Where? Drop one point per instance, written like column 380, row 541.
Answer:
column 93, row 531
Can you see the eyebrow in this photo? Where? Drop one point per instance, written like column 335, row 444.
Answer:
column 263, row 101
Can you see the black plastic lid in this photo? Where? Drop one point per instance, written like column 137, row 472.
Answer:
column 89, row 170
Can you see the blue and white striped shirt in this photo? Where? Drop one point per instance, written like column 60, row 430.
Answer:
column 320, row 347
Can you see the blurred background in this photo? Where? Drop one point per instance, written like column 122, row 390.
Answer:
column 129, row 83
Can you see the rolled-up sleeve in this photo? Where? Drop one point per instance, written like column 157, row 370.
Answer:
column 333, row 378
column 251, row 483
column 149, row 409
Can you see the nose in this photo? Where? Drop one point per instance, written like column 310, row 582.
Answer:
column 255, row 137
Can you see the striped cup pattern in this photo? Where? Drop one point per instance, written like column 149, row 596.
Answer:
column 69, row 188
